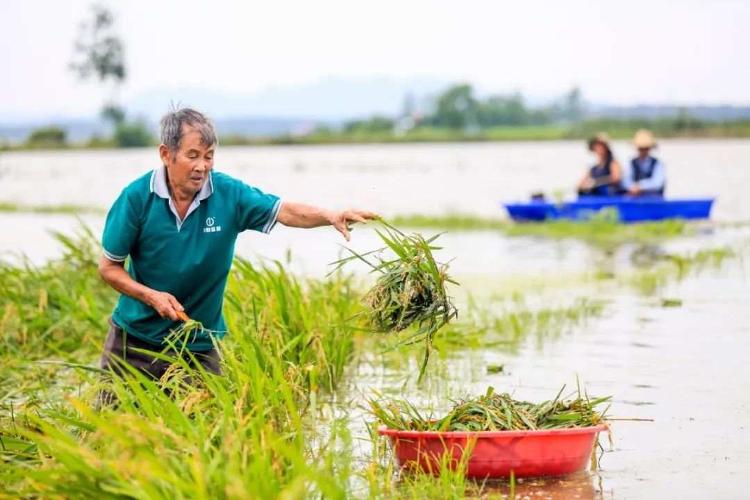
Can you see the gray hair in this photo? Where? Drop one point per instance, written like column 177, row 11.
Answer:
column 172, row 122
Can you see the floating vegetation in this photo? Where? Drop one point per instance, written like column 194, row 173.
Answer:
column 508, row 329
column 410, row 290
column 671, row 267
column 602, row 230
column 495, row 412
column 449, row 221
column 491, row 369
column 671, row 302
column 64, row 209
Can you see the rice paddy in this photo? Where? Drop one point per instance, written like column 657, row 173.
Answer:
column 282, row 420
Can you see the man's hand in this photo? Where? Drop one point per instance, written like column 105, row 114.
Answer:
column 166, row 305
column 635, row 190
column 341, row 220
column 114, row 274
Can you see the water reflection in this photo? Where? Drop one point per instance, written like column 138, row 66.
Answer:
column 581, row 485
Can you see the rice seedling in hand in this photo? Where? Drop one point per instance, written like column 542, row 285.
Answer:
column 410, row 290
column 494, row 412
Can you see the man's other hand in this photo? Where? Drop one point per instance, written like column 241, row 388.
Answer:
column 166, row 305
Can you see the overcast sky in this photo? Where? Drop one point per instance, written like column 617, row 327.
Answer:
column 657, row 51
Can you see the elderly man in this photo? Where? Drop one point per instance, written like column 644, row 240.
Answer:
column 178, row 224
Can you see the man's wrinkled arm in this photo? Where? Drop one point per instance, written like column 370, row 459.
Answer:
column 307, row 216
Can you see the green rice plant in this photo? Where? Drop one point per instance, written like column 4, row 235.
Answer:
column 494, row 412
column 449, row 221
column 671, row 302
column 55, row 311
column 410, row 290
column 309, row 324
column 509, row 328
column 604, row 229
column 676, row 267
column 66, row 209
column 191, row 434
column 383, row 480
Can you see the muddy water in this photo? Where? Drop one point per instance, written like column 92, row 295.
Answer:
column 684, row 367
column 424, row 178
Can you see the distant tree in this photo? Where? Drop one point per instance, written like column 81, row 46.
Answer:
column 376, row 123
column 132, row 135
column 685, row 121
column 113, row 114
column 503, row 110
column 98, row 49
column 47, row 137
column 456, row 108
column 100, row 53
column 573, row 107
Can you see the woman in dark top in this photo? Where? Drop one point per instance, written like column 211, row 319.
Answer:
column 605, row 177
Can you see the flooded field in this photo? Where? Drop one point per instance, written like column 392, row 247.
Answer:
column 661, row 326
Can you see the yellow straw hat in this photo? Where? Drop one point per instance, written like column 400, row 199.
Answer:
column 644, row 139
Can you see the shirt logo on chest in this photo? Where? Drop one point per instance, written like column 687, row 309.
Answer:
column 211, row 226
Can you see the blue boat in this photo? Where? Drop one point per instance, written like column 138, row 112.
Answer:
column 627, row 209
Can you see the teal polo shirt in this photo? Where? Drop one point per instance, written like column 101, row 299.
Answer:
column 188, row 258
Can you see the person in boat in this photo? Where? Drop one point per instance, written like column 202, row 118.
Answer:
column 645, row 177
column 605, row 177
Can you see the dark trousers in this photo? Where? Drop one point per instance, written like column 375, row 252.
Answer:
column 121, row 347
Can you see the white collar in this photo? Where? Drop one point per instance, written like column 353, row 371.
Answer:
column 159, row 184
column 160, row 188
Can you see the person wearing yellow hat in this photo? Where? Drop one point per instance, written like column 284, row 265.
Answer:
column 604, row 178
column 646, row 175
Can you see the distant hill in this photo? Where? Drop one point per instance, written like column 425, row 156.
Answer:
column 283, row 110
column 81, row 130
column 332, row 99
column 77, row 129
column 708, row 113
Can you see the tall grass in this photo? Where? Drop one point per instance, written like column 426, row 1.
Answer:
column 246, row 432
column 215, row 437
column 309, row 325
column 57, row 311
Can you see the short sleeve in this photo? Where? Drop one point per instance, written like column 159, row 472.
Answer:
column 256, row 210
column 120, row 229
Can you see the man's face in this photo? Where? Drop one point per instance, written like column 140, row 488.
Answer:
column 189, row 166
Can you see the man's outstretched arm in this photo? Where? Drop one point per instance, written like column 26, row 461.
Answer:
column 306, row 216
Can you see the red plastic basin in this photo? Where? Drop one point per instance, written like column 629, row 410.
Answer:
column 496, row 453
